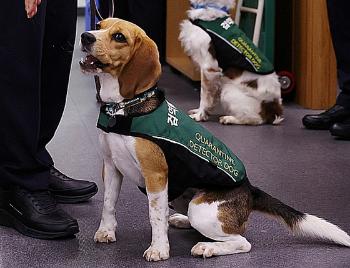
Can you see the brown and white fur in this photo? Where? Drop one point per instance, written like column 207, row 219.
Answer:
column 245, row 98
column 130, row 67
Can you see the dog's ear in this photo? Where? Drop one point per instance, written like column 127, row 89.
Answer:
column 143, row 69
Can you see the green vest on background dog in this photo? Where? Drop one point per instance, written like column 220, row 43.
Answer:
column 233, row 48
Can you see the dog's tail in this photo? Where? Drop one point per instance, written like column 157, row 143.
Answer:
column 300, row 223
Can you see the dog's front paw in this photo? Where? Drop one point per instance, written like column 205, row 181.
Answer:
column 193, row 111
column 198, row 115
column 157, row 253
column 202, row 249
column 104, row 236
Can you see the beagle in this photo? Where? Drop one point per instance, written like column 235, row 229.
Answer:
column 235, row 75
column 138, row 127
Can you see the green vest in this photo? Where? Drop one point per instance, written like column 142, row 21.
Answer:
column 184, row 142
column 233, row 48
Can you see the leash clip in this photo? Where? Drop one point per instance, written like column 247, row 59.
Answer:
column 112, row 109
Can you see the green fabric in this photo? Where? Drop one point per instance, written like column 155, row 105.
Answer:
column 170, row 124
column 103, row 119
column 226, row 29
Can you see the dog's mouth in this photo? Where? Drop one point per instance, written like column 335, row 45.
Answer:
column 91, row 64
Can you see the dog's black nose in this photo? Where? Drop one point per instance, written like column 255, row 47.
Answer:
column 87, row 38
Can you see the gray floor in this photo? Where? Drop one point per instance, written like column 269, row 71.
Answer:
column 306, row 169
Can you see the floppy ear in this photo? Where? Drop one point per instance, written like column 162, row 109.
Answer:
column 143, row 69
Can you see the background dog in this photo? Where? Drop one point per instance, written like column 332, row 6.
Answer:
column 127, row 62
column 245, row 97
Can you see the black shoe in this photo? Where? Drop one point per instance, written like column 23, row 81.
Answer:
column 35, row 214
column 69, row 191
column 341, row 130
column 325, row 120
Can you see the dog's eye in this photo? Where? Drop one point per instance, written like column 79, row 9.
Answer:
column 119, row 37
column 98, row 26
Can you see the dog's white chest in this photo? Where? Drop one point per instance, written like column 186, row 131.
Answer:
column 121, row 149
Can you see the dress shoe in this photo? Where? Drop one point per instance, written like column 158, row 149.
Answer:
column 35, row 214
column 341, row 130
column 69, row 191
column 325, row 120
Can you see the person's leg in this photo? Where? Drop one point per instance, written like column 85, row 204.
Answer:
column 340, row 112
column 21, row 43
column 150, row 16
column 60, row 30
column 27, row 205
column 121, row 9
column 340, row 29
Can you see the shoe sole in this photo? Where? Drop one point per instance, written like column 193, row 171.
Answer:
column 339, row 136
column 316, row 126
column 8, row 220
column 65, row 199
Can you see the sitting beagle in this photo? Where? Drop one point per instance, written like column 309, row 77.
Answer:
column 235, row 75
column 172, row 158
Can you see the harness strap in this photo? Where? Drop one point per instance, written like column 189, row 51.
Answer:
column 94, row 11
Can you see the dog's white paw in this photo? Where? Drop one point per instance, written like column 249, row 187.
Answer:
column 203, row 249
column 278, row 120
column 157, row 253
column 193, row 111
column 104, row 236
column 178, row 220
column 227, row 120
column 198, row 115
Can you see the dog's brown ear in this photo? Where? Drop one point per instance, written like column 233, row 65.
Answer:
column 143, row 69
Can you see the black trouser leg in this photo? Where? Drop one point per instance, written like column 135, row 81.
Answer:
column 21, row 42
column 340, row 28
column 58, row 48
column 150, row 15
column 26, row 93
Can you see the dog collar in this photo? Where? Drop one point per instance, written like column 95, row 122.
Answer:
column 112, row 108
column 199, row 6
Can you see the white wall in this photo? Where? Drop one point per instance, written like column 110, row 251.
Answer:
column 81, row 3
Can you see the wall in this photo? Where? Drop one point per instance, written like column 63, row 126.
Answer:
column 81, row 3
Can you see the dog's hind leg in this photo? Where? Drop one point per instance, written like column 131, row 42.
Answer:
column 220, row 216
column 233, row 120
column 112, row 181
column 239, row 108
column 180, row 205
column 236, row 244
column 180, row 221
